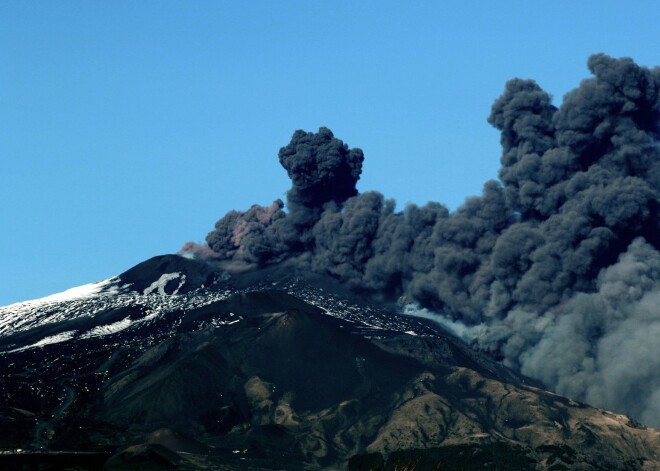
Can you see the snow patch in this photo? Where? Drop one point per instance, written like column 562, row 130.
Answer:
column 108, row 329
column 160, row 284
column 217, row 322
column 61, row 337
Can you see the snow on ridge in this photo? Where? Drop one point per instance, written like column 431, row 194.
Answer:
column 79, row 292
column 26, row 314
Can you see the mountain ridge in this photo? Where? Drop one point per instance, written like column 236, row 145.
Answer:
column 267, row 371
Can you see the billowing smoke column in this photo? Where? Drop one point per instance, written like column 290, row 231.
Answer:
column 323, row 172
column 555, row 269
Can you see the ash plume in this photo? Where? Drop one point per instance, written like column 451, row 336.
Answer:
column 324, row 172
column 554, row 268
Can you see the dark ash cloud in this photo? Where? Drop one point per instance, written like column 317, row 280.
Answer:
column 557, row 262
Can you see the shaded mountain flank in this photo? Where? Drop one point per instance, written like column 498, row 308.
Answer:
column 272, row 370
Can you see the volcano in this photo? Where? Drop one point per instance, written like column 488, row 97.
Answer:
column 179, row 364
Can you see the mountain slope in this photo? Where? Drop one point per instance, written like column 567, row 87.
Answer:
column 175, row 363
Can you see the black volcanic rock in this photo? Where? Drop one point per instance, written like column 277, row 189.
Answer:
column 268, row 370
column 144, row 457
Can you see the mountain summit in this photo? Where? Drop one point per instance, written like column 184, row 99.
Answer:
column 181, row 364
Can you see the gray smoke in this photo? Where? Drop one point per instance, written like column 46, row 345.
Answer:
column 601, row 346
column 554, row 268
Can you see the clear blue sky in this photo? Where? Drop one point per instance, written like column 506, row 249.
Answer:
column 128, row 128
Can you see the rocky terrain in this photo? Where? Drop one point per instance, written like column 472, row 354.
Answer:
column 175, row 364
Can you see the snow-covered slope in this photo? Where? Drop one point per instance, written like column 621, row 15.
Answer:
column 53, row 308
column 160, row 293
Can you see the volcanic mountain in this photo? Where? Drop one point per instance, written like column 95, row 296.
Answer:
column 179, row 364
